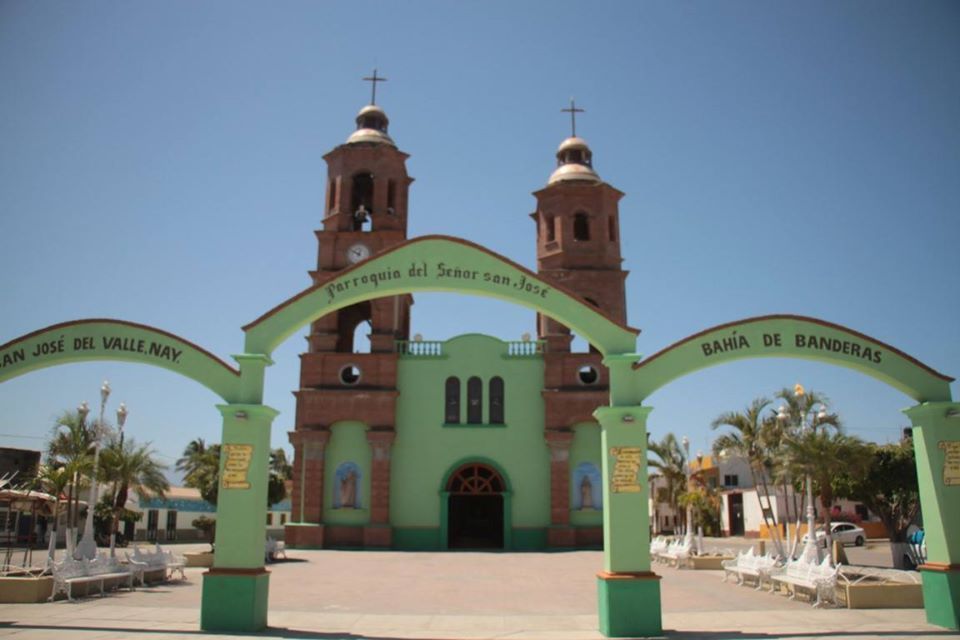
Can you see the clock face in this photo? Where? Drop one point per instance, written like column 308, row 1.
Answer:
column 357, row 252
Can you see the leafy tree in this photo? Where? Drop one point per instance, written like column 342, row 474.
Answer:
column 207, row 526
column 887, row 486
column 706, row 505
column 280, row 472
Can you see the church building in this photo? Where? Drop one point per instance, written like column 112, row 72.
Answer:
column 468, row 443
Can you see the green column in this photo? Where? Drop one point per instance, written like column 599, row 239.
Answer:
column 936, row 441
column 235, row 589
column 628, row 592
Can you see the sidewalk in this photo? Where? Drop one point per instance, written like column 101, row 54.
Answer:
column 433, row 596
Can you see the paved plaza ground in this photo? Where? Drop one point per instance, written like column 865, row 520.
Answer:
column 435, row 596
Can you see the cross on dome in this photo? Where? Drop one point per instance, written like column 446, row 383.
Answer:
column 573, row 111
column 373, row 80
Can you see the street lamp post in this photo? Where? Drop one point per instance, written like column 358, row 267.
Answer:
column 87, row 548
column 121, row 419
column 810, row 549
column 688, row 537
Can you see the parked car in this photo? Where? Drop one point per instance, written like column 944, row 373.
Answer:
column 843, row 532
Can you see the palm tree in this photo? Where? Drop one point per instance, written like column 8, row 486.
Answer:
column 200, row 465
column 752, row 437
column 800, row 410
column 71, row 447
column 53, row 480
column 193, row 457
column 671, row 463
column 129, row 466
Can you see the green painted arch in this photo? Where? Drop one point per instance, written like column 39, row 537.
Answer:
column 439, row 263
column 791, row 336
column 117, row 340
column 508, row 488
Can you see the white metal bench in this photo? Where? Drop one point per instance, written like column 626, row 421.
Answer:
column 799, row 575
column 748, row 565
column 103, row 571
column 675, row 554
column 274, row 549
column 658, row 545
column 157, row 560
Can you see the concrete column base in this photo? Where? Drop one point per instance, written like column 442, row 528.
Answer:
column 941, row 594
column 303, row 535
column 629, row 604
column 235, row 600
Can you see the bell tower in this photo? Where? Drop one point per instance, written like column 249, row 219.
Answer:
column 578, row 236
column 365, row 213
column 578, row 247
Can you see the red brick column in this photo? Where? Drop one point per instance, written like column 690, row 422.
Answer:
column 560, row 533
column 306, row 498
column 378, row 533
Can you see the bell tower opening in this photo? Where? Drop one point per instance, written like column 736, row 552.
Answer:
column 361, row 200
column 581, row 227
column 475, row 510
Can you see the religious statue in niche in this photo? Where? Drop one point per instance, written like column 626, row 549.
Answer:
column 586, row 493
column 346, row 486
column 587, row 488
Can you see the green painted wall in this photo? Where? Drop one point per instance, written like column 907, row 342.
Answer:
column 585, row 448
column 348, row 443
column 425, row 449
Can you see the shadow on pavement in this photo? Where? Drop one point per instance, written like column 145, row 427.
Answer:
column 759, row 635
column 283, row 632
column 287, row 561
column 269, row 632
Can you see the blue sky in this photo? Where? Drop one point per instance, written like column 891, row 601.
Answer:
column 161, row 162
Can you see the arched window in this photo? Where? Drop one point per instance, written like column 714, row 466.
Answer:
column 474, row 401
column 353, row 323
column 361, row 200
column 361, row 337
column 581, row 227
column 331, row 195
column 496, row 400
column 476, row 479
column 551, row 231
column 452, row 401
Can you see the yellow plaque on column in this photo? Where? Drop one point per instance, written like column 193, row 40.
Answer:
column 626, row 470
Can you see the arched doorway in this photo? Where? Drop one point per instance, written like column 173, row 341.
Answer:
column 475, row 511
